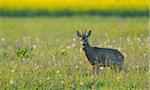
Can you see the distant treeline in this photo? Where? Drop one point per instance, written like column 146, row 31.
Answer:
column 44, row 12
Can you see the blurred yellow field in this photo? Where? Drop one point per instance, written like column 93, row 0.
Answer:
column 76, row 5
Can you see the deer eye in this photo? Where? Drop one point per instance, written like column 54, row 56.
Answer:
column 85, row 39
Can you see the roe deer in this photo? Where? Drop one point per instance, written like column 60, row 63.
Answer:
column 100, row 57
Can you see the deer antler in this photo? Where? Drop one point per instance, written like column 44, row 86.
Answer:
column 82, row 32
column 85, row 31
column 86, row 28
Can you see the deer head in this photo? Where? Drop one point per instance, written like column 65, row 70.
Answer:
column 84, row 37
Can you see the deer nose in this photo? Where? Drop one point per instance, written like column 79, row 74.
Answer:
column 83, row 44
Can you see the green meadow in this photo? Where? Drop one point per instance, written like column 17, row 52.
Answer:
column 44, row 53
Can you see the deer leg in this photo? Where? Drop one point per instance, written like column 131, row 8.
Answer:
column 117, row 68
column 97, row 69
column 113, row 67
column 94, row 70
column 120, row 68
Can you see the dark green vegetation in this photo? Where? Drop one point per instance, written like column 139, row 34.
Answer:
column 45, row 12
column 44, row 52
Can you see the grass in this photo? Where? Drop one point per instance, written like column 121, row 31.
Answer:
column 44, row 53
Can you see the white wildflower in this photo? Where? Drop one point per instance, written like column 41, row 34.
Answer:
column 58, row 72
column 108, row 67
column 101, row 68
column 81, row 83
column 48, row 78
column 74, row 39
column 11, row 82
column 23, row 59
column 76, row 66
column 118, row 78
column 68, row 47
column 128, row 39
column 12, row 70
column 144, row 54
column 62, row 82
column 108, row 40
column 106, row 34
column 2, row 39
column 119, row 48
column 137, row 66
column 73, row 45
column 37, row 67
column 10, row 47
column 139, row 39
column 69, row 77
column 81, row 62
column 34, row 46
column 42, row 54
column 133, row 66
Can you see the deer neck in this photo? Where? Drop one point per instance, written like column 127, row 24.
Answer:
column 87, row 48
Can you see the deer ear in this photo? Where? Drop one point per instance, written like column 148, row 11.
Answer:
column 89, row 33
column 78, row 34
